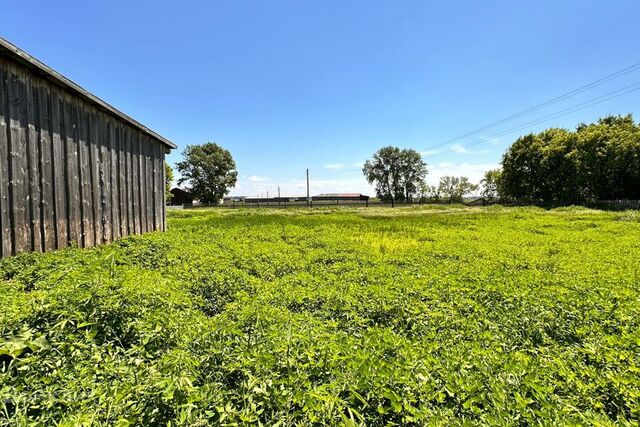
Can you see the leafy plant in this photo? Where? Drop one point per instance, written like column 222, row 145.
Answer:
column 412, row 316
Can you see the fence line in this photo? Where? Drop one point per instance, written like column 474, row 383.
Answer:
column 596, row 204
column 620, row 204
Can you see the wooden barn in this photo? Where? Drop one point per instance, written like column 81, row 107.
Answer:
column 73, row 169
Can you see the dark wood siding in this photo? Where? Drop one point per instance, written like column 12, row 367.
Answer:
column 71, row 173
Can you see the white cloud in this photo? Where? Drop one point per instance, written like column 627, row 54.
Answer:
column 461, row 149
column 257, row 178
column 492, row 141
column 457, row 148
column 428, row 153
column 335, row 166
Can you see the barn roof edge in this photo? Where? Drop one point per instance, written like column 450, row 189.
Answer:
column 23, row 57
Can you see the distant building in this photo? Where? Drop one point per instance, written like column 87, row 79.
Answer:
column 231, row 199
column 341, row 197
column 180, row 197
column 272, row 199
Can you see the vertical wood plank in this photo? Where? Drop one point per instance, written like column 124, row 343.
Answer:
column 135, row 174
column 148, row 183
column 96, row 189
column 153, row 155
column 122, row 183
column 142, row 185
column 164, row 179
column 88, row 229
column 129, row 172
column 73, row 174
column 115, row 195
column 154, row 184
column 33, row 161
column 6, row 237
column 147, row 187
column 158, row 185
column 105, row 177
column 58, row 139
column 19, row 175
column 47, row 207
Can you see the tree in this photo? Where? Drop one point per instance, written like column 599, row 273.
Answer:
column 168, row 180
column 209, row 170
column 428, row 193
column 455, row 188
column 413, row 171
column 538, row 167
column 397, row 173
column 491, row 185
column 596, row 161
column 607, row 158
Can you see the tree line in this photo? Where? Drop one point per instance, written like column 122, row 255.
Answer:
column 597, row 161
column 399, row 176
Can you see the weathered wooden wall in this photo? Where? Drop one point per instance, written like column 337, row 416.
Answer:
column 70, row 172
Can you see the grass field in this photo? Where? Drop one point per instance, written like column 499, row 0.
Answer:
column 417, row 316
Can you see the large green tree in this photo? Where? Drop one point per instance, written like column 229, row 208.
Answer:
column 209, row 171
column 596, row 161
column 397, row 174
column 413, row 170
column 607, row 158
column 539, row 167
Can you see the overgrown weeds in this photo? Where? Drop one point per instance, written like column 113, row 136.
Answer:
column 456, row 316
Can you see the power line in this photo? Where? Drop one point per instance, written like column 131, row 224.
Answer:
column 566, row 111
column 581, row 106
column 551, row 101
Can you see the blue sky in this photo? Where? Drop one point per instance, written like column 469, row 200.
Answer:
column 290, row 85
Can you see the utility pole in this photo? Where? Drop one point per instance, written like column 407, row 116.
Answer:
column 308, row 198
column 278, row 195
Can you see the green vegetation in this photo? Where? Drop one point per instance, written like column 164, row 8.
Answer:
column 398, row 174
column 437, row 315
column 168, row 180
column 208, row 170
column 453, row 188
column 599, row 161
